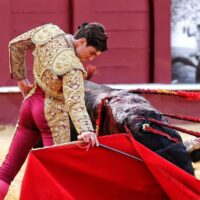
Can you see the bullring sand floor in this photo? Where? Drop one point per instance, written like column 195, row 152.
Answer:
column 6, row 134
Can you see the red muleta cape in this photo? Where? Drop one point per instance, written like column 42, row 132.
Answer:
column 72, row 173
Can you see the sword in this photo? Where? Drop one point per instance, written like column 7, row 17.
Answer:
column 120, row 152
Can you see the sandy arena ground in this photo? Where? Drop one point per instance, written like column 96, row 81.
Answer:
column 6, row 134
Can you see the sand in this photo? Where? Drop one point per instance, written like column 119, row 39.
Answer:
column 6, row 134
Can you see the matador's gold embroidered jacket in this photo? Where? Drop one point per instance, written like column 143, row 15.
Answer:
column 59, row 72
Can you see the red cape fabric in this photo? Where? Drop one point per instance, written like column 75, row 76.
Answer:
column 71, row 172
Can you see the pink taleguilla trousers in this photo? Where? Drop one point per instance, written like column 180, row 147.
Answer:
column 32, row 125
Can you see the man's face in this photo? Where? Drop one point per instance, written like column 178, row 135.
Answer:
column 86, row 53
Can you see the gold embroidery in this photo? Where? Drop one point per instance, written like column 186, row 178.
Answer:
column 46, row 57
column 49, row 82
column 64, row 61
column 17, row 50
column 22, row 37
column 17, row 58
column 45, row 34
column 59, row 73
column 58, row 120
column 73, row 91
column 19, row 45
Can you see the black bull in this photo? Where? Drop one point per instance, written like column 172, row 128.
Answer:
column 125, row 110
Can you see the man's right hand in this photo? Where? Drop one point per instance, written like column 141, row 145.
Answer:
column 89, row 136
column 25, row 86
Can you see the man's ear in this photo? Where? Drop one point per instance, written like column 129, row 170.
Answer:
column 83, row 41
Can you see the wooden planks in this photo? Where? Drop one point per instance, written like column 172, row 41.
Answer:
column 128, row 27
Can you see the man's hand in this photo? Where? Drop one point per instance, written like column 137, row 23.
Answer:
column 25, row 86
column 89, row 136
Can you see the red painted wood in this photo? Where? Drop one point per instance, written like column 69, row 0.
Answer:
column 9, row 106
column 133, row 58
column 37, row 19
column 4, row 38
column 39, row 6
column 116, row 74
column 129, row 39
column 167, row 104
column 161, row 35
column 128, row 26
column 40, row 12
column 174, row 105
column 128, row 30
column 120, row 5
column 18, row 19
column 127, row 21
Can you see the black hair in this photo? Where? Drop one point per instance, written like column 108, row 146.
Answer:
column 95, row 35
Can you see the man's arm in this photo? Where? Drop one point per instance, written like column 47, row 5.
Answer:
column 73, row 90
column 17, row 52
